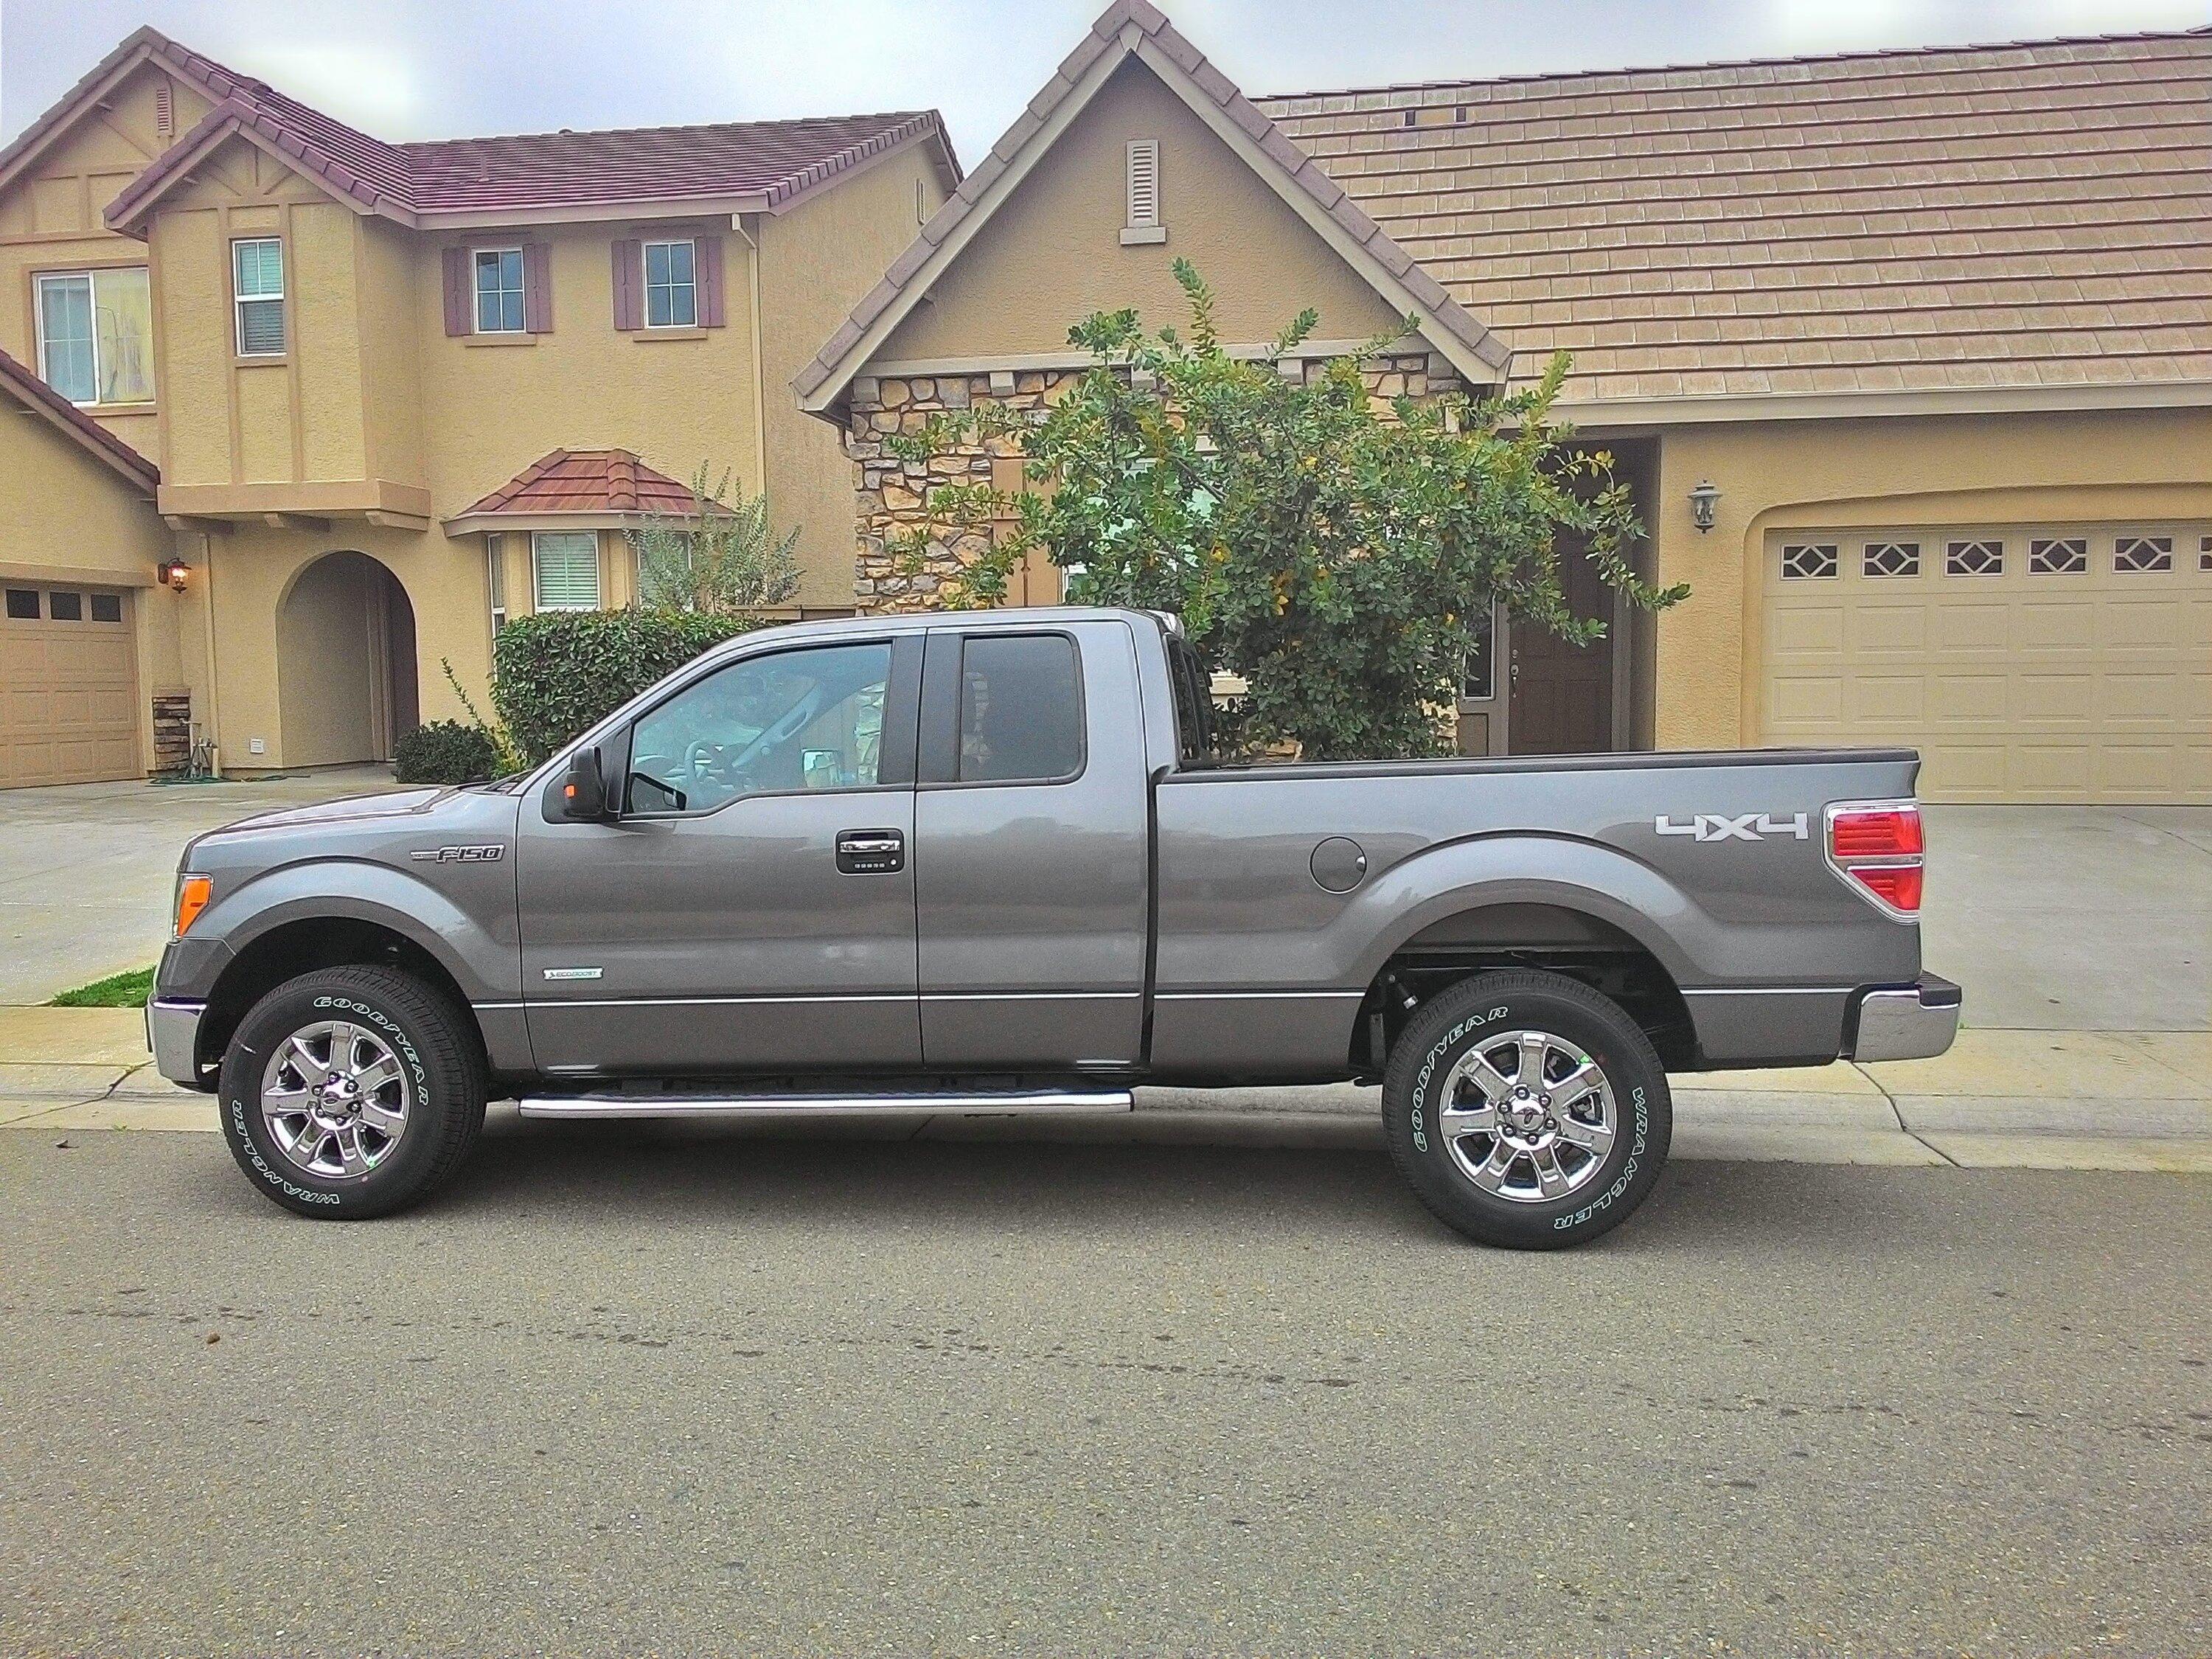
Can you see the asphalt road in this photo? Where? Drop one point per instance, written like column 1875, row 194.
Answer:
column 627, row 1391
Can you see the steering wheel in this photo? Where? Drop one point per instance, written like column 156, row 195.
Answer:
column 703, row 758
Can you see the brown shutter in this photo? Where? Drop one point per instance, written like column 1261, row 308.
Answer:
column 710, row 276
column 630, row 281
column 458, row 319
column 537, row 288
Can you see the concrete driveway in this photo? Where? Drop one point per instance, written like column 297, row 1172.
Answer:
column 87, row 871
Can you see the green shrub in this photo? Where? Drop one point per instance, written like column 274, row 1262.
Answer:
column 446, row 751
column 555, row 674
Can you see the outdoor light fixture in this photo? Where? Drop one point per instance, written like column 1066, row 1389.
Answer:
column 1701, row 504
column 172, row 572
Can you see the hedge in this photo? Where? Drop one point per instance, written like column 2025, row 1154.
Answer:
column 446, row 751
column 557, row 673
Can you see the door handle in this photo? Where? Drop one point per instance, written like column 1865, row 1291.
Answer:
column 871, row 852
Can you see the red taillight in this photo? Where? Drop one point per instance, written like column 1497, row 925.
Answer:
column 1877, row 846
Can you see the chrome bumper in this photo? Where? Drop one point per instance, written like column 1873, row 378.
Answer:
column 172, row 1032
column 1911, row 1022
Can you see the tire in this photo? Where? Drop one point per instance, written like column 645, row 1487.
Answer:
column 1518, row 1182
column 415, row 1110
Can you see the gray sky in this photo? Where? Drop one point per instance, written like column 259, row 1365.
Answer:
column 436, row 69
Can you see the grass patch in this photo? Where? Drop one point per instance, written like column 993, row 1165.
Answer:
column 128, row 990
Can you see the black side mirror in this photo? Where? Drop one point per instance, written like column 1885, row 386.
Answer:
column 584, row 789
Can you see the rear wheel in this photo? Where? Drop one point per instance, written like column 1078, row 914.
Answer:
column 1525, row 1111
column 351, row 1093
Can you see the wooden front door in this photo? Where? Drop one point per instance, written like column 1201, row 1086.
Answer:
column 1562, row 692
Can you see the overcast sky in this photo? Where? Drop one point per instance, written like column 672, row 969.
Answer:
column 437, row 68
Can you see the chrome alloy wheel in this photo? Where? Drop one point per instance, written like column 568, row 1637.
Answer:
column 1529, row 1116
column 335, row 1098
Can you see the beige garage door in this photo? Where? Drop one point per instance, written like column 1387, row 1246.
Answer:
column 2026, row 663
column 69, row 685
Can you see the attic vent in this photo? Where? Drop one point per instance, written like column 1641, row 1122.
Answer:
column 165, row 111
column 1144, row 225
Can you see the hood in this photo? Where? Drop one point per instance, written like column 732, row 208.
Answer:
column 397, row 803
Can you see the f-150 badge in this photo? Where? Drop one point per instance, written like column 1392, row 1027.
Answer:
column 490, row 855
column 1746, row 826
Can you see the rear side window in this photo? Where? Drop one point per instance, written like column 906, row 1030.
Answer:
column 1021, row 709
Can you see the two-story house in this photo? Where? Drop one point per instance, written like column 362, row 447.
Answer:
column 305, row 415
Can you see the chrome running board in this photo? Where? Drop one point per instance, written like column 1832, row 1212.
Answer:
column 1007, row 1102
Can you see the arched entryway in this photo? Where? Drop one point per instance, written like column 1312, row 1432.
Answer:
column 346, row 681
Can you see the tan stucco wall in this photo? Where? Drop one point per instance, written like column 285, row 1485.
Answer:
column 50, row 218
column 817, row 261
column 1051, row 254
column 67, row 517
column 324, row 646
column 1946, row 470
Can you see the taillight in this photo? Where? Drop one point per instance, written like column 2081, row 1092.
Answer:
column 1877, row 846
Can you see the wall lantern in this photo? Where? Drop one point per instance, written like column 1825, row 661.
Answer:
column 1702, row 500
column 172, row 572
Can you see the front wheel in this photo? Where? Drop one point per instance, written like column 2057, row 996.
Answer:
column 1525, row 1111
column 351, row 1093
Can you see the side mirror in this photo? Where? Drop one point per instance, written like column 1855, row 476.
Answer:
column 584, row 789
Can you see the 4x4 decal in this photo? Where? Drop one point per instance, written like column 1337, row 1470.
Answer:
column 1742, row 826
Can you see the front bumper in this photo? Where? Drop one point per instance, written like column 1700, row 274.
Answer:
column 1911, row 1022
column 172, row 1032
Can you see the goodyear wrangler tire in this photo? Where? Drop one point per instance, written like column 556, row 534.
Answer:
column 1525, row 1111
column 351, row 1093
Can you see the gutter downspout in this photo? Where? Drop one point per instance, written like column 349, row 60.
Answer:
column 215, row 699
column 760, row 359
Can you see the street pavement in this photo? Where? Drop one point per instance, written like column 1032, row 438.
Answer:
column 641, row 1390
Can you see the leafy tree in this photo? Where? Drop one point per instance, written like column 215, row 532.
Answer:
column 1338, row 551
column 721, row 558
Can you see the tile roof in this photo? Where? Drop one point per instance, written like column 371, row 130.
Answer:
column 597, row 481
column 770, row 162
column 1450, row 327
column 2032, row 215
column 48, row 404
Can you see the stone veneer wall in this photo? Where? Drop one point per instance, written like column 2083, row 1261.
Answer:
column 892, row 493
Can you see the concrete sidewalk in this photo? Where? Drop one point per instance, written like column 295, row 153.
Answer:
column 2082, row 1100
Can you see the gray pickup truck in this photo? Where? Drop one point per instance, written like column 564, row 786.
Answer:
column 987, row 863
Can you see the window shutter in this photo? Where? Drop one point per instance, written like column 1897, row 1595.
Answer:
column 537, row 288
column 458, row 300
column 1144, row 182
column 708, row 276
column 630, row 281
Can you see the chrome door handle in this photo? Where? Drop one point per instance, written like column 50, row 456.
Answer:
column 871, row 852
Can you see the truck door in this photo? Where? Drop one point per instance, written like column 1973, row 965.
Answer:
column 751, row 906
column 1031, row 835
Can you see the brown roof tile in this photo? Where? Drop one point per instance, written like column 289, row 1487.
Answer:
column 49, row 405
column 601, row 481
column 2011, row 216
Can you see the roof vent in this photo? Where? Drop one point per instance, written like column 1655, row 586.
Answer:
column 165, row 111
column 1143, row 227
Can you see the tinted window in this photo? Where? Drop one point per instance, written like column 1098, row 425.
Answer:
column 107, row 607
column 798, row 720
column 23, row 603
column 66, row 607
column 1021, row 709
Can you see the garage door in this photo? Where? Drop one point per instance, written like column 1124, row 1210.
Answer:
column 68, row 686
column 2032, row 663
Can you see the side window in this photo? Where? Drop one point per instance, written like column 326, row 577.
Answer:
column 256, row 269
column 1021, row 709
column 798, row 720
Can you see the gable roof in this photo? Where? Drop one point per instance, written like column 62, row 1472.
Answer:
column 2018, row 221
column 738, row 167
column 1127, row 29
column 601, row 483
column 41, row 400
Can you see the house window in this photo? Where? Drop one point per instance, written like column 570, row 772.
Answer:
column 1890, row 559
column 257, row 270
column 1143, row 225
column 1815, row 562
column 495, row 579
column 96, row 335
column 671, row 293
column 499, row 291
column 2142, row 555
column 566, row 563
column 2067, row 556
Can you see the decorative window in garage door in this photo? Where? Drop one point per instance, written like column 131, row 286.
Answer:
column 2142, row 555
column 1809, row 563
column 2064, row 556
column 1974, row 559
column 1892, row 559
column 2204, row 552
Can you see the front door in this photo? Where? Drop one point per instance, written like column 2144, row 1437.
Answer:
column 1562, row 693
column 752, row 908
